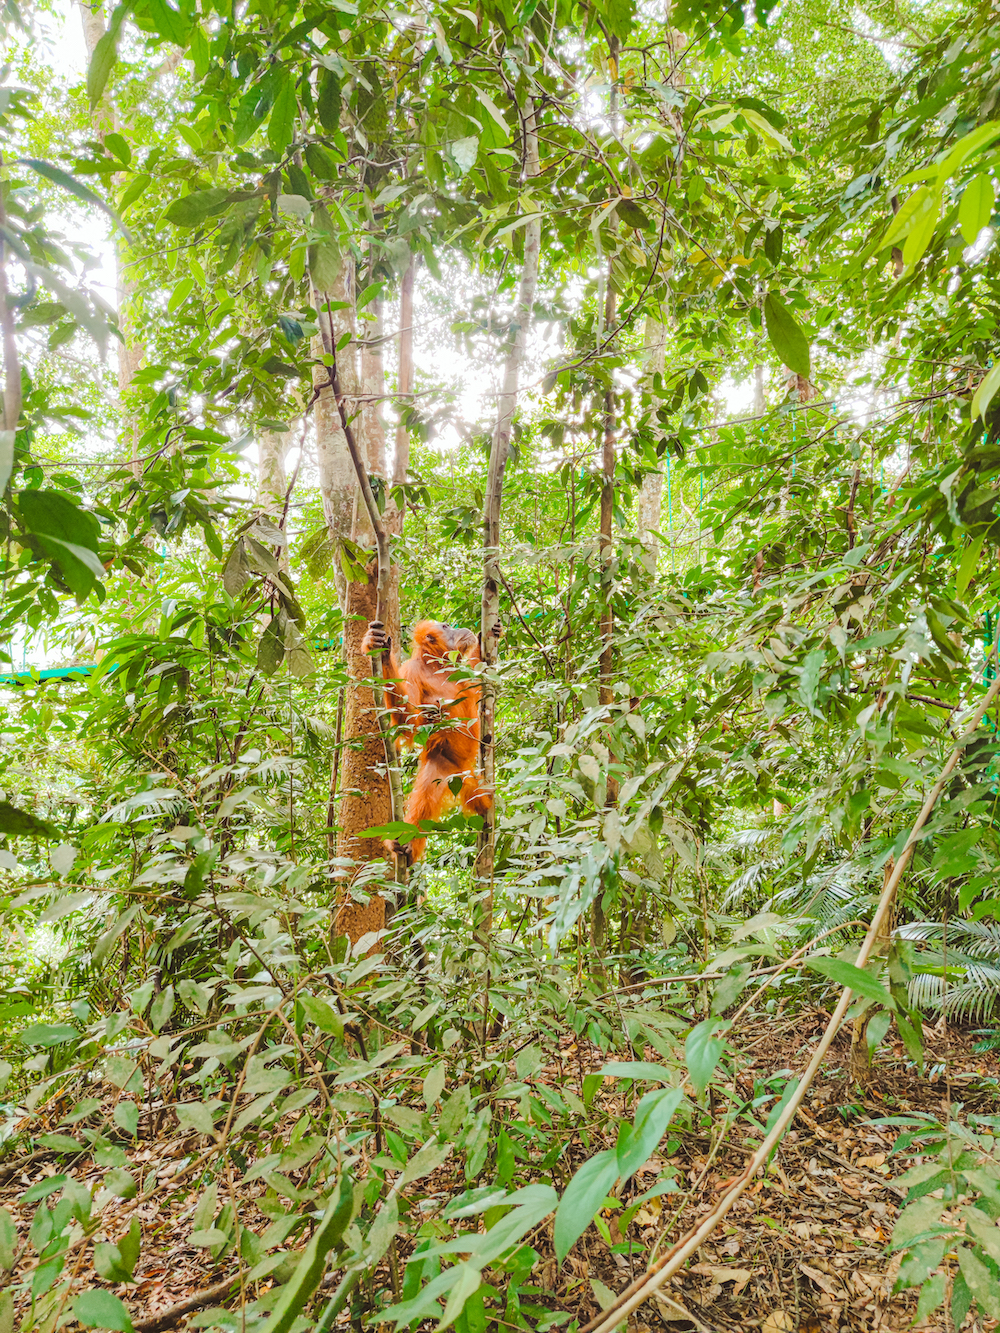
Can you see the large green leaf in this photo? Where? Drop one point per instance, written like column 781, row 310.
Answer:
column 102, row 1309
column 582, row 1198
column 20, row 824
column 48, row 1034
column 104, row 57
column 786, row 336
column 52, row 514
column 281, row 126
column 846, row 974
column 638, row 1141
column 167, row 21
column 194, row 209
column 984, row 395
column 309, row 1272
column 703, row 1050
column 976, row 207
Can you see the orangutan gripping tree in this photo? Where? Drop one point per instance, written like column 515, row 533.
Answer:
column 431, row 690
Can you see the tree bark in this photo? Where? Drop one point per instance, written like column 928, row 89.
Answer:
column 272, row 482
column 131, row 350
column 337, row 481
column 396, row 511
column 499, row 454
column 606, row 542
column 367, row 799
column 651, row 491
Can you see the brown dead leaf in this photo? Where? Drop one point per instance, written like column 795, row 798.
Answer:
column 778, row 1321
column 822, row 1281
column 738, row 1276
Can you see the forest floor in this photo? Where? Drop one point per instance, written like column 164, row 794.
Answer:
column 803, row 1249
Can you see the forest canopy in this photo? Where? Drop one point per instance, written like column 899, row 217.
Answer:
column 498, row 624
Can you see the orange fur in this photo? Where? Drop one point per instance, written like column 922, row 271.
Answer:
column 424, row 690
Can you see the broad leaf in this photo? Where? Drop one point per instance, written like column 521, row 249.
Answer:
column 582, row 1198
column 786, row 336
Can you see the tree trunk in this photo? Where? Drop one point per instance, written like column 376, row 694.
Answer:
column 371, row 441
column 651, row 492
column 396, row 511
column 338, row 483
column 366, row 800
column 499, row 454
column 272, row 482
column 131, row 351
column 860, row 1058
column 608, row 455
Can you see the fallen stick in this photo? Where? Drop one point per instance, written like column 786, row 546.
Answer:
column 668, row 1264
column 173, row 1314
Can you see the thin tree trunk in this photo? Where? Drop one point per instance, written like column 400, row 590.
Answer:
column 338, row 483
column 499, row 454
column 131, row 351
column 651, row 491
column 404, row 387
column 272, row 482
column 608, row 458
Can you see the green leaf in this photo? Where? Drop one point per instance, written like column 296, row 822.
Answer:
column 121, row 1183
column 916, row 206
column 309, row 1273
column 328, row 102
column 757, row 122
column 966, row 146
column 980, row 1281
column 126, row 1117
column 967, row 565
column 53, row 514
column 6, row 1312
column 271, row 649
column 324, row 263
column 976, row 207
column 847, row 975
column 79, row 566
column 632, row 215
column 921, row 232
column 983, row 396
column 20, row 824
column 167, row 21
column 195, row 1115
column 108, row 1262
column 8, row 1240
column 729, row 989
column 104, row 57
column 634, row 1069
column 129, row 1246
column 322, row 1014
column 60, row 1143
column 281, row 126
column 932, row 1295
column 136, row 187
column 703, row 1050
column 59, row 177
column 582, row 1198
column 102, row 1309
column 786, row 336
column 321, row 163
column 194, row 209
column 638, row 1141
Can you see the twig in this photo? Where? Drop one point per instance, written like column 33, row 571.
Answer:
column 173, row 1314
